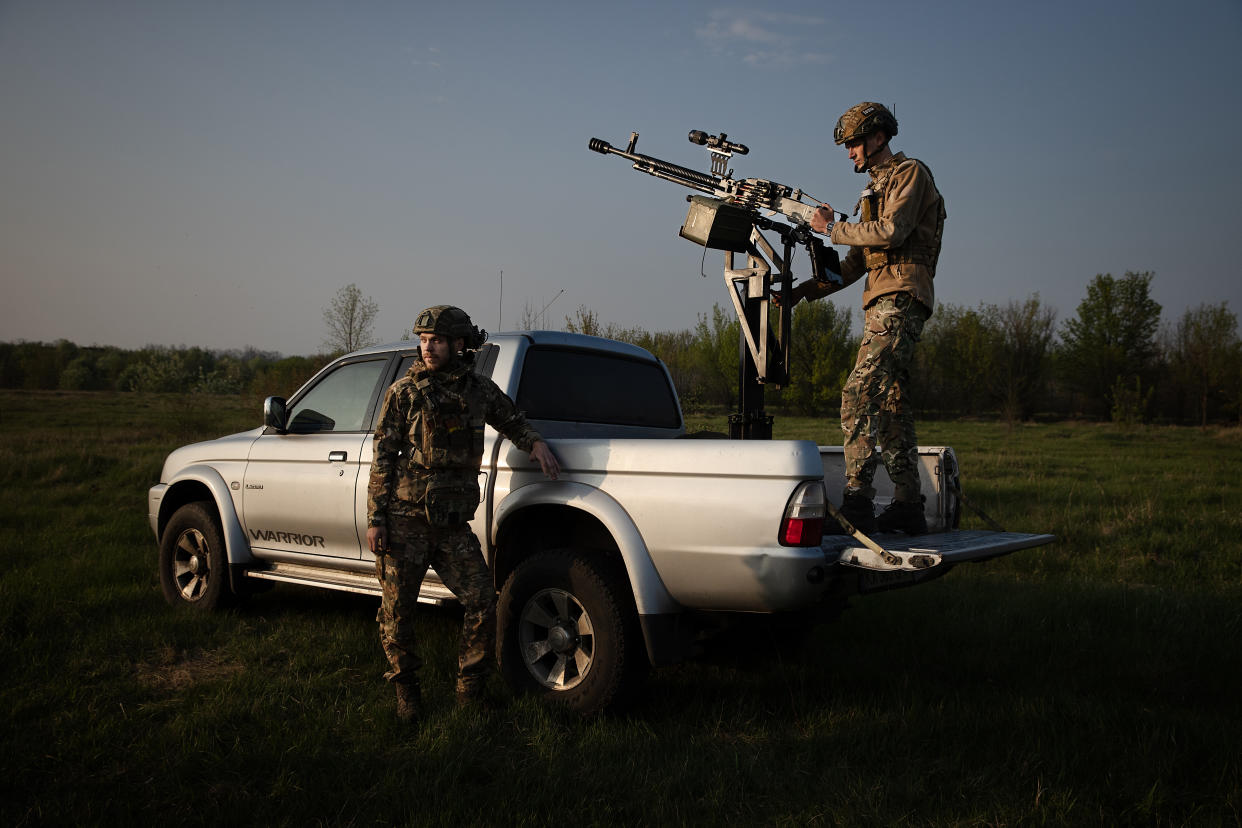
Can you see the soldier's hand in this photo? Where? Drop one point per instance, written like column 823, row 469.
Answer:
column 821, row 219
column 796, row 294
column 377, row 539
column 542, row 454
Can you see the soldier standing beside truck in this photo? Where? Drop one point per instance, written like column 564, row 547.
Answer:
column 896, row 244
column 423, row 490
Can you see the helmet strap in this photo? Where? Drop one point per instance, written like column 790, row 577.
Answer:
column 867, row 156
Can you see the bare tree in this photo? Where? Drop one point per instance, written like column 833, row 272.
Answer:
column 1023, row 358
column 584, row 321
column 1206, row 355
column 350, row 318
column 529, row 320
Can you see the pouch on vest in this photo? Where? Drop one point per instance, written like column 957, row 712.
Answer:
column 869, row 201
column 450, row 504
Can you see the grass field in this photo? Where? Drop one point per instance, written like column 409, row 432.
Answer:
column 1095, row 681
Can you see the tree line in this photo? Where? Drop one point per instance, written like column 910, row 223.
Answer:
column 65, row 366
column 1113, row 360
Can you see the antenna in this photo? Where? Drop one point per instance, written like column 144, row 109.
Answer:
column 543, row 320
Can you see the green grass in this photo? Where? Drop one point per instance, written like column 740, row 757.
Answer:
column 1094, row 681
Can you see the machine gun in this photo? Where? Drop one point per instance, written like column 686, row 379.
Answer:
column 729, row 219
column 717, row 222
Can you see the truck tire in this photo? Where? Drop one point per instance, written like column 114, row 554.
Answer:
column 193, row 566
column 569, row 632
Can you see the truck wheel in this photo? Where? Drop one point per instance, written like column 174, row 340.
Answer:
column 193, row 566
column 568, row 631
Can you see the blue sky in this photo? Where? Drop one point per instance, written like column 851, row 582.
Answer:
column 210, row 173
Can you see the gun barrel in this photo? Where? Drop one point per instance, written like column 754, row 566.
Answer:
column 658, row 168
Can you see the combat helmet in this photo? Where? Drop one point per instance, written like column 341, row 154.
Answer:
column 864, row 119
column 449, row 321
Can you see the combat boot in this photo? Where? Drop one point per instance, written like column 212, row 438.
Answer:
column 903, row 516
column 472, row 692
column 409, row 702
column 857, row 510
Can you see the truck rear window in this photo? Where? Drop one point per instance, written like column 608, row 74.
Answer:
column 590, row 387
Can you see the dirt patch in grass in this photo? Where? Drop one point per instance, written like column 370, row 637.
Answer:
column 177, row 670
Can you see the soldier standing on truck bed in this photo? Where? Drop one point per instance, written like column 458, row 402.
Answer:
column 896, row 244
column 423, row 490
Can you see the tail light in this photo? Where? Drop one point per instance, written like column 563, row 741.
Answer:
column 803, row 523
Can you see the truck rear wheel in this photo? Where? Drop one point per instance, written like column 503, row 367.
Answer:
column 568, row 631
column 193, row 565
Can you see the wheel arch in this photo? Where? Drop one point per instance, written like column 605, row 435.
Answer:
column 203, row 483
column 567, row 514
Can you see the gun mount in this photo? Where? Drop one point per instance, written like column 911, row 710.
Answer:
column 728, row 218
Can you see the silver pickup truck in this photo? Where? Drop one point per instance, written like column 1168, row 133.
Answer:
column 649, row 539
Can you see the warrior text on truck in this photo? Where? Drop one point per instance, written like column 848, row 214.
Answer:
column 647, row 540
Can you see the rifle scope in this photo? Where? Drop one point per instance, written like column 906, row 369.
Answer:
column 698, row 136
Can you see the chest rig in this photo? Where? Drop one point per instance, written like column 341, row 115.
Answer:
column 915, row 250
column 446, row 445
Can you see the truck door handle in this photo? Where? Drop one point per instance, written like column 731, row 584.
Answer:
column 337, row 457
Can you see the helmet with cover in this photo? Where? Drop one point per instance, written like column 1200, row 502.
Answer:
column 864, row 119
column 451, row 322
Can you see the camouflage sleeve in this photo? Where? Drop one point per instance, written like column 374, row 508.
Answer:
column 505, row 417
column 905, row 195
column 390, row 434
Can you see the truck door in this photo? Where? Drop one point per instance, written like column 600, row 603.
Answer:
column 301, row 487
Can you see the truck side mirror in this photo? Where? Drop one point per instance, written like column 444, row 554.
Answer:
column 274, row 413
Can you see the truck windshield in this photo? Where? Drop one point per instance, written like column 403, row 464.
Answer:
column 590, row 387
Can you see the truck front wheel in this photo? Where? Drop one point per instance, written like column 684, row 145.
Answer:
column 193, row 566
column 568, row 631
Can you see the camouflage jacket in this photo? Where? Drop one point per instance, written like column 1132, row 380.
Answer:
column 897, row 241
column 429, row 440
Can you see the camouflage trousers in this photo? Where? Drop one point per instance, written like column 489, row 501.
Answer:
column 413, row 546
column 875, row 406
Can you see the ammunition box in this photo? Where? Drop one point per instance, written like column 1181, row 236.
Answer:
column 717, row 224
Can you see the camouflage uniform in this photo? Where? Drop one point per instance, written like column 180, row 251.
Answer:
column 874, row 405
column 424, row 487
column 896, row 244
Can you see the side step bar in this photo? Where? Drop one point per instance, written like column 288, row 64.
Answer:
column 363, row 583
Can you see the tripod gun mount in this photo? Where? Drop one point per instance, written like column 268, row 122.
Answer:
column 728, row 218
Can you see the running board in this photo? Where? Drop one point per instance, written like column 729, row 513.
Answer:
column 363, row 583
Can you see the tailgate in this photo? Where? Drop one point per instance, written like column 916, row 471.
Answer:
column 950, row 547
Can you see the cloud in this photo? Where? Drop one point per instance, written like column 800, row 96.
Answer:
column 426, row 57
column 763, row 38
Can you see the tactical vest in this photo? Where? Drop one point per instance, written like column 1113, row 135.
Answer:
column 446, row 448
column 911, row 252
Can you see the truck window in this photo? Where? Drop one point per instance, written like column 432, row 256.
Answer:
column 340, row 401
column 590, row 387
column 484, row 360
